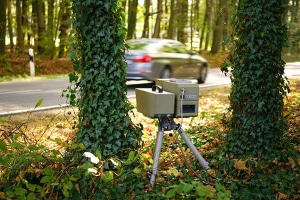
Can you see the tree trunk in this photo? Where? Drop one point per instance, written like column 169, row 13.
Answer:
column 172, row 19
column 50, row 29
column 218, row 27
column 64, row 26
column 182, row 19
column 2, row 27
column 41, row 26
column 156, row 31
column 20, row 36
column 9, row 27
column 257, row 123
column 104, row 122
column 205, row 33
column 145, row 33
column 25, row 21
column 132, row 12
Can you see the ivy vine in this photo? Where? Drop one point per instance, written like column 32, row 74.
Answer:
column 100, row 79
column 256, row 124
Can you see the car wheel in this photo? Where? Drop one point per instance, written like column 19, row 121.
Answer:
column 203, row 74
column 167, row 73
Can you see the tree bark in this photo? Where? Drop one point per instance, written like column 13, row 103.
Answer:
column 156, row 31
column 218, row 27
column 20, row 36
column 172, row 18
column 39, row 6
column 145, row 33
column 2, row 26
column 132, row 12
column 64, row 26
column 9, row 26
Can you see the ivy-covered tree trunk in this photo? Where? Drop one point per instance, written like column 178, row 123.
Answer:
column 257, row 124
column 104, row 123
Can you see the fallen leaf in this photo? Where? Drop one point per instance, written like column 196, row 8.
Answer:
column 241, row 165
column 281, row 196
column 292, row 162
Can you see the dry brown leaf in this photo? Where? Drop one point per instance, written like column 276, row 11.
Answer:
column 292, row 162
column 211, row 188
column 241, row 165
column 281, row 196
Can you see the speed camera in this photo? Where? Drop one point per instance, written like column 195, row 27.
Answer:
column 175, row 97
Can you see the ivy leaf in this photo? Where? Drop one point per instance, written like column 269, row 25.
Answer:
column 20, row 191
column 137, row 171
column 30, row 187
column 17, row 145
column 171, row 193
column 107, row 176
column 49, row 172
column 46, row 179
column 3, row 146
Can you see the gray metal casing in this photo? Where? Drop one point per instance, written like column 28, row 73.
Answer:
column 190, row 100
column 152, row 103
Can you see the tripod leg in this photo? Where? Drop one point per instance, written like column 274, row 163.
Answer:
column 201, row 160
column 157, row 150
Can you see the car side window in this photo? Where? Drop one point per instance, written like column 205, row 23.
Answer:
column 168, row 48
column 174, row 48
column 181, row 48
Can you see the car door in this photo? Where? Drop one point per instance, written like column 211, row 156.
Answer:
column 187, row 68
column 178, row 60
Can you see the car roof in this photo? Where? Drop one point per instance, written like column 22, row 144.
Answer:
column 152, row 40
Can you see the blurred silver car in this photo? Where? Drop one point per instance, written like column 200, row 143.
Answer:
column 149, row 59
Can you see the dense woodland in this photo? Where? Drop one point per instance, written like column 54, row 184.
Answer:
column 203, row 25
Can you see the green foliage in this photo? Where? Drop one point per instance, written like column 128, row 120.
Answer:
column 256, row 123
column 259, row 179
column 197, row 190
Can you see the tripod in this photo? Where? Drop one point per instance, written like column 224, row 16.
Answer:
column 167, row 123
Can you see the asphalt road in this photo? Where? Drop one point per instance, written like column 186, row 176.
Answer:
column 21, row 96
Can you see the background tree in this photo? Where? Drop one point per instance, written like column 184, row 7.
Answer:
column 156, row 31
column 182, row 20
column 218, row 27
column 132, row 13
column 9, row 26
column 50, row 29
column 257, row 124
column 145, row 33
column 207, row 26
column 2, row 27
column 172, row 19
column 64, row 18
column 20, row 35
